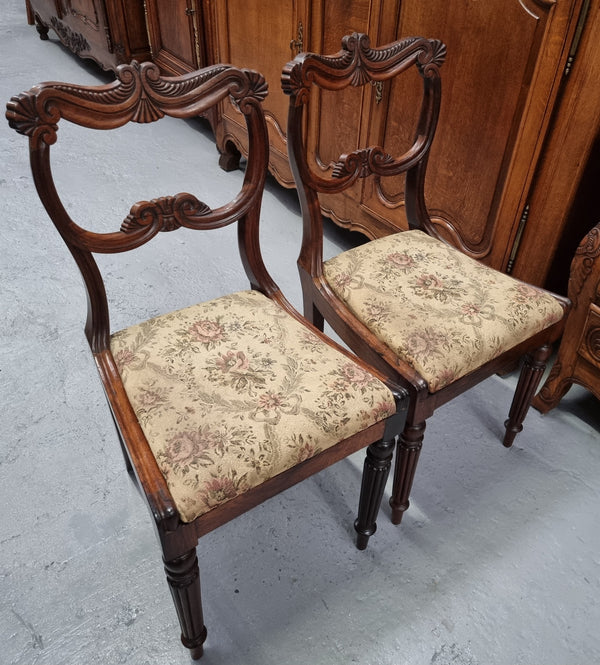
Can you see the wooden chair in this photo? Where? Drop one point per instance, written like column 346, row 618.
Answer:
column 427, row 316
column 225, row 403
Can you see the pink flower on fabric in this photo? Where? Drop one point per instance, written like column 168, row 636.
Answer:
column 343, row 280
column 232, row 361
column 429, row 282
column 381, row 411
column 470, row 309
column 185, row 447
column 218, row 491
column 524, row 293
column 355, row 375
column 401, row 260
column 272, row 405
column 206, row 331
column 125, row 357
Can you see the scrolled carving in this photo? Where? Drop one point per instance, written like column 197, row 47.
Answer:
column 140, row 94
column 259, row 87
column 592, row 342
column 74, row 41
column 166, row 213
column 358, row 64
column 583, row 262
column 429, row 61
column 361, row 163
column 26, row 117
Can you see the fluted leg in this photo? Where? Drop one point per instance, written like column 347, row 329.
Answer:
column 407, row 456
column 375, row 473
column 531, row 374
column 183, row 576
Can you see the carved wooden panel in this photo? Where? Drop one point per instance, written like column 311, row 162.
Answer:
column 263, row 36
column 110, row 32
column 590, row 343
column 176, row 31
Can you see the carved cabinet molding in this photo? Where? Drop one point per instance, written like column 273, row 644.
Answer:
column 110, row 32
column 578, row 358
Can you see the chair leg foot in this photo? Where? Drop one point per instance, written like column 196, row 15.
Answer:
column 407, row 456
column 183, row 577
column 375, row 473
column 529, row 379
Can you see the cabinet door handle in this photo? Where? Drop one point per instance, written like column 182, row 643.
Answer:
column 189, row 11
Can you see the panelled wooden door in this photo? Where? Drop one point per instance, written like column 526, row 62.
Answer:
column 500, row 81
column 261, row 35
column 176, row 33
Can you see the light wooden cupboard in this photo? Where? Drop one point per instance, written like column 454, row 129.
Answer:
column 110, row 32
column 508, row 66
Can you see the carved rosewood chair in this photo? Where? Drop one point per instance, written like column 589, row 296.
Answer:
column 228, row 402
column 426, row 315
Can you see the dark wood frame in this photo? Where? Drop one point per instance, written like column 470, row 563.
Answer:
column 141, row 95
column 355, row 65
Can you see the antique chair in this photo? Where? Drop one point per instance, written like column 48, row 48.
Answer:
column 426, row 315
column 225, row 403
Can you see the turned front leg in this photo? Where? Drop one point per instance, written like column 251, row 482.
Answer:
column 529, row 379
column 407, row 456
column 375, row 473
column 183, row 576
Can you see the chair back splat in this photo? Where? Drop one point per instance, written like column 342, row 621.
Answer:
column 413, row 305
column 224, row 403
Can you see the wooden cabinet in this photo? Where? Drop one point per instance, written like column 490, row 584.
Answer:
column 578, row 359
column 261, row 35
column 177, row 34
column 110, row 32
column 503, row 79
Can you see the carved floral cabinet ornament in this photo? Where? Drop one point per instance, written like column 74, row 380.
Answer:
column 578, row 359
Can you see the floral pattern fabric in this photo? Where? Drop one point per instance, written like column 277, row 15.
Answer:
column 232, row 392
column 439, row 310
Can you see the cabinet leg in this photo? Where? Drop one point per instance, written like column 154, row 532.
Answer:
column 230, row 157
column 554, row 389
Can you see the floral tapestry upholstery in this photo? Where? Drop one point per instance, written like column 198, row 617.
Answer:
column 442, row 312
column 232, row 392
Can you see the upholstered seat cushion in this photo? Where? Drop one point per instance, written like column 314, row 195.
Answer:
column 442, row 312
column 232, row 392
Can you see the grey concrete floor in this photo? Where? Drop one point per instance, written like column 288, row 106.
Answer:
column 498, row 558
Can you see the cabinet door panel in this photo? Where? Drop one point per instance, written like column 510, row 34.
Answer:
column 497, row 82
column 259, row 35
column 174, row 35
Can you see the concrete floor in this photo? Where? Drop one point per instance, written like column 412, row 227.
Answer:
column 498, row 558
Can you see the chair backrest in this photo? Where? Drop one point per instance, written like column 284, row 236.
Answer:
column 141, row 95
column 358, row 64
